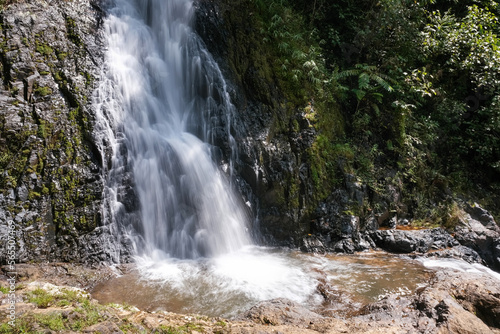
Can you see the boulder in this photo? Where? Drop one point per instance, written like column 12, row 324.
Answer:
column 106, row 327
column 422, row 241
column 282, row 312
column 479, row 231
column 457, row 252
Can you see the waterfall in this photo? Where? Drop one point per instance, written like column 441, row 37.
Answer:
column 164, row 105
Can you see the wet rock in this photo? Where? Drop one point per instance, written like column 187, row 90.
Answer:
column 272, row 137
column 479, row 231
column 370, row 224
column 457, row 252
column 496, row 251
column 356, row 190
column 52, row 186
column 345, row 246
column 335, row 228
column 22, row 193
column 311, row 244
column 400, row 241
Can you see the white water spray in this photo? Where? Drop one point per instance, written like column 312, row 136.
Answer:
column 164, row 98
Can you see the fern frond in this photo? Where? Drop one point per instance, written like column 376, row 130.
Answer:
column 346, row 74
column 376, row 108
column 384, row 84
column 297, row 54
column 360, row 94
column 363, row 81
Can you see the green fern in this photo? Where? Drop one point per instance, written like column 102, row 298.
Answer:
column 369, row 80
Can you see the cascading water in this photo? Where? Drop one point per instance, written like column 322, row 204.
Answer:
column 166, row 100
column 162, row 105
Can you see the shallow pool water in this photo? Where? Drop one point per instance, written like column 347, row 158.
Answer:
column 230, row 284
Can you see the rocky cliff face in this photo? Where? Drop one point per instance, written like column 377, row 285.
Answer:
column 273, row 135
column 276, row 138
column 50, row 166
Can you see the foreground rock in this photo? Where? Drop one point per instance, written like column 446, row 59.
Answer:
column 283, row 312
column 454, row 302
column 461, row 303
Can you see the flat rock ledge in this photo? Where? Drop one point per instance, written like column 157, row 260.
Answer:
column 53, row 298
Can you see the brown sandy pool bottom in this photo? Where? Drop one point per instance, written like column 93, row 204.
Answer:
column 231, row 284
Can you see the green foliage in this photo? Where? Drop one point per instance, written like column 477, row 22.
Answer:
column 470, row 44
column 221, row 323
column 53, row 321
column 92, row 315
column 41, row 298
column 42, row 133
column 45, row 190
column 467, row 49
column 368, row 88
column 44, row 49
column 184, row 329
column 300, row 62
column 324, row 156
column 5, row 328
column 85, row 312
column 43, row 91
column 72, row 31
column 71, row 297
column 163, row 329
column 401, row 73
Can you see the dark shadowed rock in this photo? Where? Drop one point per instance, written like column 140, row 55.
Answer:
column 422, row 241
column 479, row 231
column 457, row 252
column 273, row 136
column 312, row 244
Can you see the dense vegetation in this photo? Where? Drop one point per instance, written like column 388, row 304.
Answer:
column 402, row 94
